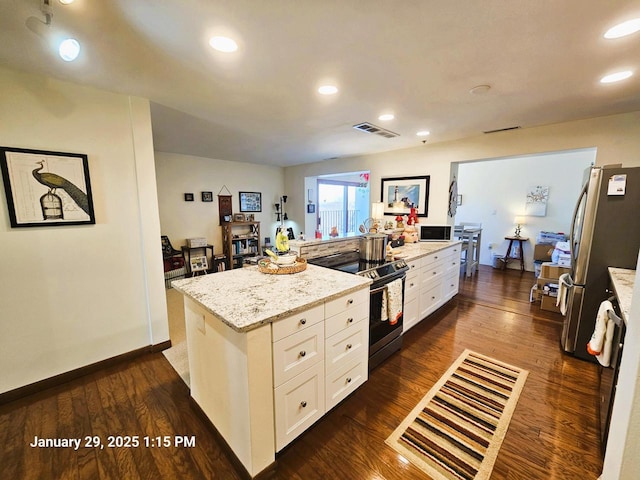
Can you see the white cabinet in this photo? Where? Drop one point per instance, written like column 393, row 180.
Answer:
column 431, row 281
column 298, row 404
column 320, row 356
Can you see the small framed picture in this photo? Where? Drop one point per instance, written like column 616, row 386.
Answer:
column 188, row 197
column 250, row 201
column 207, row 196
column 238, row 217
column 227, row 218
column 249, row 217
column 311, row 208
column 199, row 263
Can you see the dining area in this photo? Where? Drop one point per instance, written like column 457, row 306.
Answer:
column 470, row 234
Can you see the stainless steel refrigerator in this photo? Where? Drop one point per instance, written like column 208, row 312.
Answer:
column 605, row 232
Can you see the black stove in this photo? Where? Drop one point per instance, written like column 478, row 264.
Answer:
column 384, row 338
column 349, row 262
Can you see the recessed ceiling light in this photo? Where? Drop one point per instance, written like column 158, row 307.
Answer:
column 223, row 44
column 328, row 90
column 623, row 29
column 386, row 117
column 66, row 2
column 69, row 49
column 423, row 133
column 616, row 77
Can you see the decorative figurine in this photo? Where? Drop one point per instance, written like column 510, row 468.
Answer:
column 400, row 221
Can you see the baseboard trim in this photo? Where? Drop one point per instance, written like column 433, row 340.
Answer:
column 56, row 380
column 235, row 461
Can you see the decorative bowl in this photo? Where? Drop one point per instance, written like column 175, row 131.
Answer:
column 287, row 259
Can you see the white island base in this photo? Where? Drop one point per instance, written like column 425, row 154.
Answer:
column 270, row 354
column 231, row 381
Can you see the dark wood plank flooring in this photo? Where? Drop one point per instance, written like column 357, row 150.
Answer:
column 554, row 432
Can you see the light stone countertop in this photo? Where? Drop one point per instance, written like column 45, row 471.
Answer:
column 413, row 251
column 623, row 281
column 246, row 298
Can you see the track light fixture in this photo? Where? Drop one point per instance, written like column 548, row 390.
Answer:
column 68, row 48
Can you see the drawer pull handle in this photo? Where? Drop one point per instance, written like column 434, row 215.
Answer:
column 433, row 298
column 303, row 404
column 303, row 321
column 348, row 379
column 350, row 320
column 303, row 353
column 350, row 301
column 349, row 346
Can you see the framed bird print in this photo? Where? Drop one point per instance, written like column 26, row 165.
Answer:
column 46, row 189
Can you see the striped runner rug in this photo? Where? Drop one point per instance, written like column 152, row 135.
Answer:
column 456, row 430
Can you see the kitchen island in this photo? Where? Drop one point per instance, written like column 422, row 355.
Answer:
column 270, row 354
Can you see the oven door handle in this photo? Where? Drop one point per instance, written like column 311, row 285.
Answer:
column 376, row 290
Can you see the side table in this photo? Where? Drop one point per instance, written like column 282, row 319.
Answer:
column 520, row 243
column 186, row 253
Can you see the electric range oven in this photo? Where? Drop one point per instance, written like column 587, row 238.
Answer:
column 384, row 338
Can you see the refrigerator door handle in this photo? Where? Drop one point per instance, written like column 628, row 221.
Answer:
column 574, row 219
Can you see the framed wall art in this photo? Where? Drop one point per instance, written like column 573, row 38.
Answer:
column 250, row 201
column 188, row 197
column 401, row 194
column 207, row 196
column 536, row 202
column 46, row 189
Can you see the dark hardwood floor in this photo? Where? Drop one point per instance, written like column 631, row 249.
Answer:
column 553, row 434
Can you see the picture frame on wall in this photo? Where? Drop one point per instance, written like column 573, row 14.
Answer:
column 207, row 196
column 188, row 197
column 400, row 194
column 250, row 201
column 46, row 189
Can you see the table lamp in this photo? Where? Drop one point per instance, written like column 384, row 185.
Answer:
column 377, row 213
column 519, row 221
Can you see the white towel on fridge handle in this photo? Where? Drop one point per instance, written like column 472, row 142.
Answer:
column 597, row 342
column 563, row 292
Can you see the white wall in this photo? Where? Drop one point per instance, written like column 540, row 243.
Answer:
column 75, row 295
column 494, row 192
column 179, row 174
column 616, row 138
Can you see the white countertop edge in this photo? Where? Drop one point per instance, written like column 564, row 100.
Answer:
column 623, row 280
column 362, row 283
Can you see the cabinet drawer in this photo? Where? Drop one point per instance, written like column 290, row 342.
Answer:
column 295, row 323
column 348, row 345
column 346, row 319
column 411, row 288
column 297, row 352
column 430, row 274
column 450, row 284
column 298, row 404
column 430, row 298
column 414, row 267
column 340, row 304
column 344, row 381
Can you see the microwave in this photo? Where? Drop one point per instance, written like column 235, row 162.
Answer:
column 435, row 233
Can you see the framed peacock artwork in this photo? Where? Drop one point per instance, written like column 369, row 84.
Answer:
column 46, row 188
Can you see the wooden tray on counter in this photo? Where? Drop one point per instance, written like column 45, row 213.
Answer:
column 265, row 267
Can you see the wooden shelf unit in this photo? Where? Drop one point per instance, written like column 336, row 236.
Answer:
column 240, row 240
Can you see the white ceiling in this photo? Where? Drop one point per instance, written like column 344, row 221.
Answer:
column 416, row 58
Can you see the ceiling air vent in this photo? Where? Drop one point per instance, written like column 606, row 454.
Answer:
column 371, row 128
column 502, row 129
